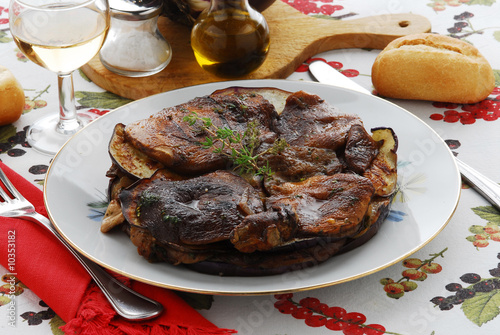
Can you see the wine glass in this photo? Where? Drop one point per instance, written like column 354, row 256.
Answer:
column 61, row 36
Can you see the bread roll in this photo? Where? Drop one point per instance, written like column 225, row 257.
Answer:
column 11, row 97
column 432, row 67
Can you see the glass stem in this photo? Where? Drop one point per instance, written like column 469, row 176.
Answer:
column 68, row 121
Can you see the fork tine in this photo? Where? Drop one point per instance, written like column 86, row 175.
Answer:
column 5, row 197
column 8, row 185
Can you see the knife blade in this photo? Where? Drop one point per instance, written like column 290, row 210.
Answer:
column 490, row 190
column 326, row 74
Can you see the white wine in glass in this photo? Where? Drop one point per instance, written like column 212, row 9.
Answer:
column 61, row 36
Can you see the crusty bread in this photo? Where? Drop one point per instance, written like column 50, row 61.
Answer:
column 11, row 97
column 432, row 67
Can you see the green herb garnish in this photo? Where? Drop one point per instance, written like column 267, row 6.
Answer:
column 240, row 148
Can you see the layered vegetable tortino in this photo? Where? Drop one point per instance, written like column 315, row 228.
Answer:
column 249, row 181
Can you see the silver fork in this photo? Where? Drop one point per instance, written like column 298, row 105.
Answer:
column 127, row 303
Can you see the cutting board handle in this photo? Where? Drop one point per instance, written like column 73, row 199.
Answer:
column 373, row 32
column 295, row 37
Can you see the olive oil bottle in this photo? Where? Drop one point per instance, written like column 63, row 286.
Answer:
column 230, row 39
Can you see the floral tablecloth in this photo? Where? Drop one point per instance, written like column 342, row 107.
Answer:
column 450, row 286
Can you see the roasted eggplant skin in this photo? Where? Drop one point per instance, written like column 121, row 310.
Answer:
column 222, row 261
column 383, row 172
column 129, row 159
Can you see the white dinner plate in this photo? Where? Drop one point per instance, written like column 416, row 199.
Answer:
column 429, row 184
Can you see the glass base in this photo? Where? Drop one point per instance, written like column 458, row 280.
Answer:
column 43, row 137
column 138, row 72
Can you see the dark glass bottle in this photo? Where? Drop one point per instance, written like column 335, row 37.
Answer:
column 230, row 39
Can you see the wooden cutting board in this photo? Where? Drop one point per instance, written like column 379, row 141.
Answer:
column 295, row 37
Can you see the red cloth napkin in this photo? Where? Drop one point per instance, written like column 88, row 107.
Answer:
column 44, row 265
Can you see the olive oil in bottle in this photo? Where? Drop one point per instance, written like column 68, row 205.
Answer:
column 230, row 39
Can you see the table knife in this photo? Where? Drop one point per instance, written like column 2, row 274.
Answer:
column 490, row 190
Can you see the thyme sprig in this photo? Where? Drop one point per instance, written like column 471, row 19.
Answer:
column 240, row 148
